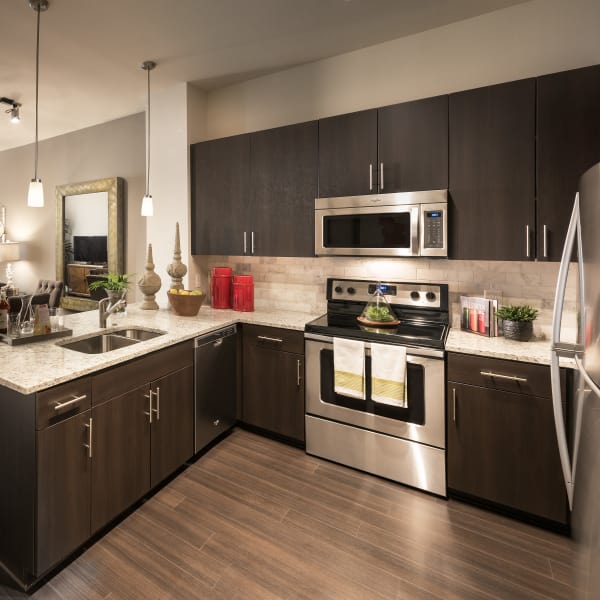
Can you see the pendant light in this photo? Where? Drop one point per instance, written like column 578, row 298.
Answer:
column 147, row 204
column 35, row 196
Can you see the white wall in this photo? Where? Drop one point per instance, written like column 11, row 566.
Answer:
column 526, row 40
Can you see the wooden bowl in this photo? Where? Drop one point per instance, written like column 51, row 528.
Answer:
column 184, row 305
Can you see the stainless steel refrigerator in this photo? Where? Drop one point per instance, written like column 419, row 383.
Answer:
column 580, row 455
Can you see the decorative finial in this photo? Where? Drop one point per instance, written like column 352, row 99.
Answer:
column 149, row 283
column 177, row 269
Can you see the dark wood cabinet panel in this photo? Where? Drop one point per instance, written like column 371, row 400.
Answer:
column 284, row 187
column 220, row 188
column 492, row 172
column 63, row 507
column 121, row 455
column 502, row 444
column 413, row 145
column 347, row 152
column 273, row 390
column 568, row 143
column 172, row 432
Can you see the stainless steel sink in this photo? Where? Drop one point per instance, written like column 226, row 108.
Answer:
column 138, row 333
column 98, row 344
column 111, row 340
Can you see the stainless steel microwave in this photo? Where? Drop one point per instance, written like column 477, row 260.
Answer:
column 402, row 224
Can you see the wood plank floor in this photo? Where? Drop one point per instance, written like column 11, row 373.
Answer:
column 256, row 519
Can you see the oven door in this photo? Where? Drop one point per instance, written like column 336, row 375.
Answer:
column 367, row 231
column 424, row 419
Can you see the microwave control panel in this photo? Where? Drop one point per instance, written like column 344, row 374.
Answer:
column 434, row 228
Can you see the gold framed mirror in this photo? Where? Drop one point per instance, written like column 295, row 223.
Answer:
column 89, row 236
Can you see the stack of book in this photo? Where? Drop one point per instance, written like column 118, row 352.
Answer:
column 478, row 315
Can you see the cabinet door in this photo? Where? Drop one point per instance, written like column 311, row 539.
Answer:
column 284, row 187
column 220, row 192
column 502, row 447
column 172, row 423
column 348, row 154
column 413, row 145
column 491, row 183
column 63, row 507
column 121, row 450
column 274, row 391
column 568, row 143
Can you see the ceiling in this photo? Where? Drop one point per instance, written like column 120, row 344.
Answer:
column 91, row 50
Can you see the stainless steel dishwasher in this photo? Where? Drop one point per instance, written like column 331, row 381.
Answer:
column 215, row 381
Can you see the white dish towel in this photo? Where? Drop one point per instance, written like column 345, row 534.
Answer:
column 349, row 368
column 388, row 374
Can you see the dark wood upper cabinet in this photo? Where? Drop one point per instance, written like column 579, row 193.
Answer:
column 568, row 143
column 413, row 145
column 348, row 154
column 283, row 167
column 492, row 172
column 220, row 189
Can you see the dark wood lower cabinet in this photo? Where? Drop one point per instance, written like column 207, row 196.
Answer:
column 273, row 381
column 120, row 458
column 172, row 433
column 502, row 444
column 63, row 510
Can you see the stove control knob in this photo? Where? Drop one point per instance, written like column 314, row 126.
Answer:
column 351, row 290
column 430, row 296
column 338, row 289
column 415, row 296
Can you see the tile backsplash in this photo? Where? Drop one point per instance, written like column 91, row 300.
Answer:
column 299, row 283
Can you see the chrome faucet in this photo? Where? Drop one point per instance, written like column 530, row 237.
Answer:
column 104, row 313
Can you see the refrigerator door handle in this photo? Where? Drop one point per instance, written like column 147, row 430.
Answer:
column 559, row 420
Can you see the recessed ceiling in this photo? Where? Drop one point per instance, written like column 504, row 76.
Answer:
column 91, row 50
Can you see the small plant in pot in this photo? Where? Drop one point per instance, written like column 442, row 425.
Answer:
column 115, row 285
column 518, row 321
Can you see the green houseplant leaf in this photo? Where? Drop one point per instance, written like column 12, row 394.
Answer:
column 114, row 281
column 520, row 313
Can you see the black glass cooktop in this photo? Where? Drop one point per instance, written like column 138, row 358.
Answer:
column 410, row 332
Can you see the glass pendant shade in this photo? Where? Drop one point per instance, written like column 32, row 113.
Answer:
column 147, row 206
column 35, row 195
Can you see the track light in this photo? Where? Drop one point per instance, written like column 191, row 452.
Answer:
column 13, row 111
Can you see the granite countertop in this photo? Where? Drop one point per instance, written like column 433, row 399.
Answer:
column 535, row 351
column 28, row 368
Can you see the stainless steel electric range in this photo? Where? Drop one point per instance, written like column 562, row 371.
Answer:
column 408, row 444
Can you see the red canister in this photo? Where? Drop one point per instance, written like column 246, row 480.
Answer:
column 243, row 293
column 220, row 290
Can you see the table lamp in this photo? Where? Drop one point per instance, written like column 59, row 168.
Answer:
column 9, row 253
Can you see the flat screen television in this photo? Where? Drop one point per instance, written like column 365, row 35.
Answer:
column 90, row 249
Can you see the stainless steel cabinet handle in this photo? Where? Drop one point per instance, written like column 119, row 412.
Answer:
column 545, row 241
column 245, row 244
column 216, row 422
column 75, row 399
column 89, row 427
column 509, row 377
column 157, row 409
column 252, row 243
column 217, row 343
column 454, row 404
column 269, row 339
column 527, row 242
column 380, row 176
column 150, row 409
column 370, row 177
column 298, row 377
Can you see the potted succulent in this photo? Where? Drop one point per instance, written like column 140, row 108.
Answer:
column 518, row 321
column 115, row 285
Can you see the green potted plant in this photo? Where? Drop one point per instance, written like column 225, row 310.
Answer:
column 517, row 321
column 115, row 285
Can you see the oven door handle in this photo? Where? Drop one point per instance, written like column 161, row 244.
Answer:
column 414, row 351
